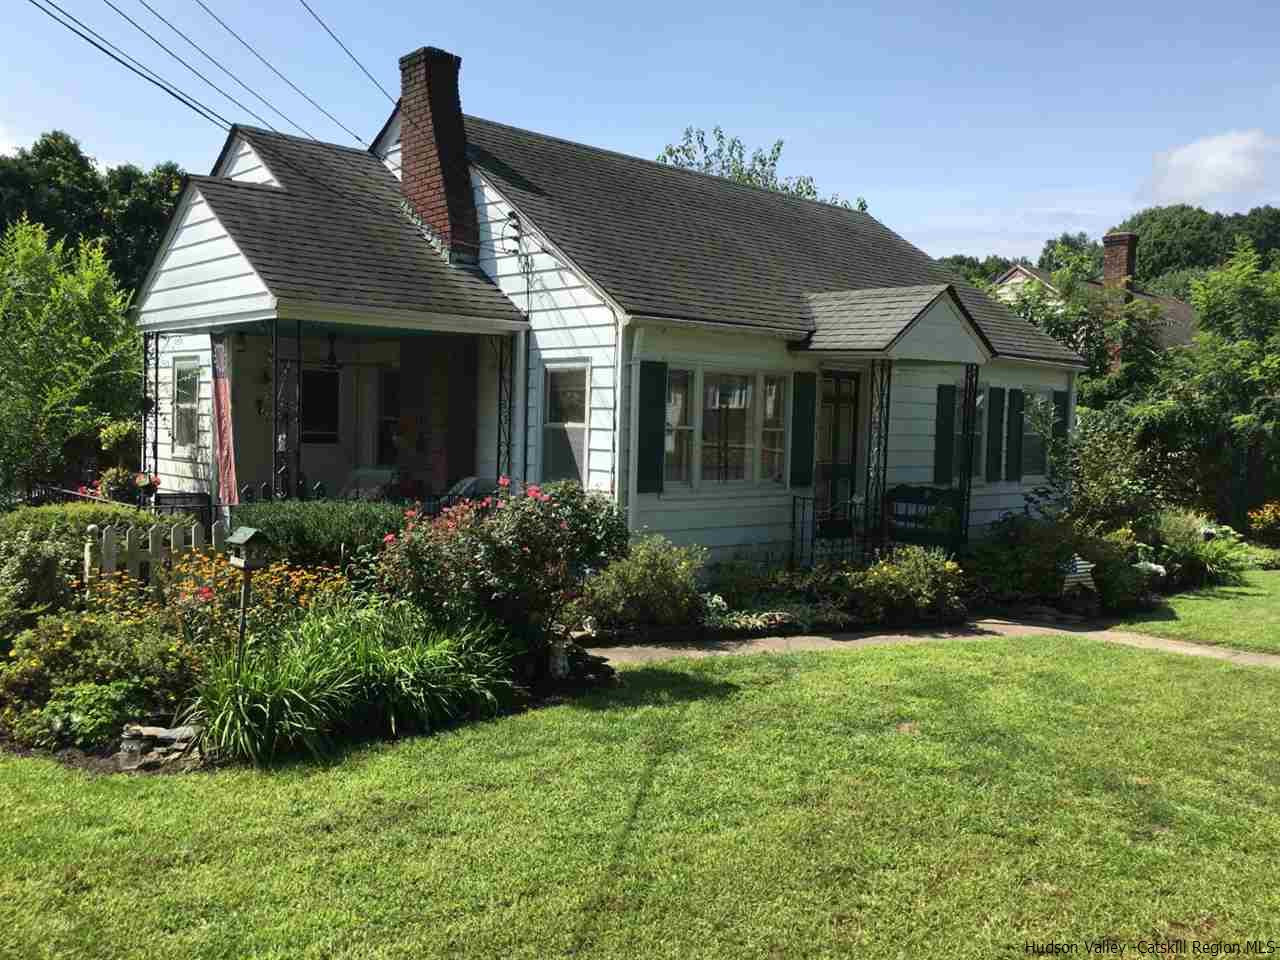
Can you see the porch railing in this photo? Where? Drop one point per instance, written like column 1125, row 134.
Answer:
column 822, row 534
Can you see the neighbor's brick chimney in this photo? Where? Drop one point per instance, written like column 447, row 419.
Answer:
column 1119, row 259
column 433, row 150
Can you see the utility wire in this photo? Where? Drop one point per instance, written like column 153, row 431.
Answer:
column 122, row 58
column 152, row 37
column 189, row 101
column 267, row 64
column 347, row 51
column 267, row 103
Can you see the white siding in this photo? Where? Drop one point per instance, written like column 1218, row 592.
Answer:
column 243, row 163
column 388, row 145
column 912, row 419
column 202, row 274
column 942, row 335
column 180, row 470
column 569, row 324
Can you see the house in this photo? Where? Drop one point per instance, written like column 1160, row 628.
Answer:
column 736, row 367
column 1119, row 263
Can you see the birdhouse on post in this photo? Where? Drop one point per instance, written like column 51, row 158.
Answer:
column 249, row 548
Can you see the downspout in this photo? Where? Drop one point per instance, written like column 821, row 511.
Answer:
column 633, row 427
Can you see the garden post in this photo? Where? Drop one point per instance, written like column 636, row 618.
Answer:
column 91, row 548
column 245, row 587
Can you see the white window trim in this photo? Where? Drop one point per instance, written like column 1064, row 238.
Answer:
column 753, row 482
column 562, row 366
column 183, row 451
column 694, row 428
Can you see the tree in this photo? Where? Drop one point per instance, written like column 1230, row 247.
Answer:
column 980, row 273
column 728, row 159
column 70, row 356
column 1057, row 250
column 1176, row 238
column 54, row 183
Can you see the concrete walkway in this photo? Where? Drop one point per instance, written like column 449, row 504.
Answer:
column 974, row 631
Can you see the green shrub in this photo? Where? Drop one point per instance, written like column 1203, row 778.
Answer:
column 1021, row 560
column 740, row 581
column 349, row 669
column 655, row 584
column 85, row 715
column 36, row 577
column 71, row 520
column 320, row 531
column 1179, row 539
column 65, row 650
column 1120, row 585
column 910, row 585
column 516, row 560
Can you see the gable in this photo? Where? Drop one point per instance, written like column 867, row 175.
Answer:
column 201, row 273
column 241, row 162
column 386, row 146
column 941, row 333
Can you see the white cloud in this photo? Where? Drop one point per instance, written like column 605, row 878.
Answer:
column 1225, row 170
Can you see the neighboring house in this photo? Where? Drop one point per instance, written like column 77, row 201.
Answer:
column 1119, row 263
column 733, row 365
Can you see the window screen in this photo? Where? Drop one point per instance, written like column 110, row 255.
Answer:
column 320, row 402
column 564, row 431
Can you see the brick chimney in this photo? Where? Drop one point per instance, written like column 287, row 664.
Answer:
column 1119, row 259
column 433, row 151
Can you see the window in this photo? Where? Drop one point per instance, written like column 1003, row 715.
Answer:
column 186, row 402
column 564, row 429
column 389, row 418
column 320, row 404
column 773, row 432
column 1035, row 456
column 677, row 462
column 728, row 427
column 979, row 424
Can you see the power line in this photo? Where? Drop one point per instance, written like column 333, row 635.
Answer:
column 345, row 50
column 146, row 73
column 267, row 64
column 152, row 37
column 267, row 103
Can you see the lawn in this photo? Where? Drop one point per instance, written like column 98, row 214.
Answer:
column 957, row 799
column 1246, row 617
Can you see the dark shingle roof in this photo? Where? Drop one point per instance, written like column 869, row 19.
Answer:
column 1179, row 316
column 867, row 319
column 674, row 243
column 333, row 233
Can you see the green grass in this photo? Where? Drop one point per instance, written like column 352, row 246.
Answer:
column 1246, row 617
column 954, row 799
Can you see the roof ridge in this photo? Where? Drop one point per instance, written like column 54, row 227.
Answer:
column 310, row 141
column 768, row 191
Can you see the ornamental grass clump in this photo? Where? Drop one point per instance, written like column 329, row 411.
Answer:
column 349, row 669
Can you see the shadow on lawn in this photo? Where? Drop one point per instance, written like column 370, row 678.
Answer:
column 651, row 686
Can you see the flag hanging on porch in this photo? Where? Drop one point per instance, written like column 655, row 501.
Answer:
column 224, row 440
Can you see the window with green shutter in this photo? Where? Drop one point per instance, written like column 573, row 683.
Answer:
column 804, row 411
column 651, row 433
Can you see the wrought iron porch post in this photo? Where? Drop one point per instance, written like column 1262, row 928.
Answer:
column 503, row 346
column 275, row 406
column 877, row 445
column 297, row 408
column 969, row 423
column 146, row 379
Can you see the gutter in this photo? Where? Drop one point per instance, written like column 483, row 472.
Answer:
column 791, row 335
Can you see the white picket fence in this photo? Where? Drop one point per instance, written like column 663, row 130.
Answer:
column 110, row 549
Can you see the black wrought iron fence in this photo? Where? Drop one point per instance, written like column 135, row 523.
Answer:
column 822, row 534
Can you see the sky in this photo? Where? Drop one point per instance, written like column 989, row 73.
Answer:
column 971, row 127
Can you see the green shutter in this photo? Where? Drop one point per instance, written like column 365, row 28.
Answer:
column 651, row 436
column 1059, row 413
column 1013, row 436
column 804, row 413
column 995, row 423
column 944, row 435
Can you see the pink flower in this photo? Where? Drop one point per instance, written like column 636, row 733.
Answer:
column 155, row 480
column 487, row 502
column 205, row 593
column 389, row 538
column 504, row 482
column 410, row 514
column 564, row 525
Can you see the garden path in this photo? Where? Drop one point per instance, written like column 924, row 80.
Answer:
column 644, row 653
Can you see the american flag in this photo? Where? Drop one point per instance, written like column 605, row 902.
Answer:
column 1078, row 573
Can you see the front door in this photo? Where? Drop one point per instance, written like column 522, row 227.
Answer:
column 837, row 456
